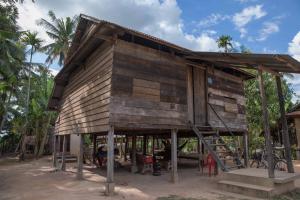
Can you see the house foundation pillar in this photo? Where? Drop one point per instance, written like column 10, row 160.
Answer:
column 174, row 173
column 110, row 185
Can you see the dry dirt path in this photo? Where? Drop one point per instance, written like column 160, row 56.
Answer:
column 35, row 180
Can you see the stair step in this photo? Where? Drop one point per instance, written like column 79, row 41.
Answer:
column 246, row 189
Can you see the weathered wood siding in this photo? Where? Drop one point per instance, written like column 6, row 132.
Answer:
column 226, row 95
column 85, row 102
column 148, row 88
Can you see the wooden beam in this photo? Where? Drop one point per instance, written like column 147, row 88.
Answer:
column 110, row 186
column 285, row 133
column 174, row 173
column 63, row 158
column 54, row 156
column 94, row 148
column 80, row 157
column 246, row 149
column 133, row 159
column 266, row 126
column 269, row 70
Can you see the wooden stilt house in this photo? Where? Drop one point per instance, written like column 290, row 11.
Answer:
column 119, row 81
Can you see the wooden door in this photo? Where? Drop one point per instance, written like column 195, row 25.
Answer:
column 197, row 96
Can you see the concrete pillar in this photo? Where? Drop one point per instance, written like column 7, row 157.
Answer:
column 174, row 173
column 63, row 158
column 246, row 149
column 110, row 185
column 80, row 158
column 54, row 156
column 133, row 161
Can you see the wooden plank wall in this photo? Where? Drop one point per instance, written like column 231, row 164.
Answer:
column 85, row 102
column 148, row 88
column 226, row 95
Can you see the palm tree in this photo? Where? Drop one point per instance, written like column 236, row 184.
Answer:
column 224, row 41
column 61, row 31
column 30, row 39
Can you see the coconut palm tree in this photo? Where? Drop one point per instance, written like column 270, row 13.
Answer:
column 61, row 31
column 224, row 41
column 29, row 39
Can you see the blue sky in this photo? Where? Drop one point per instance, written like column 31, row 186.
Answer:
column 270, row 26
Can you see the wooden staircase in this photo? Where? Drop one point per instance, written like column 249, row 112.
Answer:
column 226, row 158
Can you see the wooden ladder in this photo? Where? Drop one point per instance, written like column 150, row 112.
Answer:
column 212, row 141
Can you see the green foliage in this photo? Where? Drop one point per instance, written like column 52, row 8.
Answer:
column 61, row 31
column 225, row 41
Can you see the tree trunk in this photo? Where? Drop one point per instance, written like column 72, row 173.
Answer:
column 45, row 134
column 5, row 112
column 36, row 148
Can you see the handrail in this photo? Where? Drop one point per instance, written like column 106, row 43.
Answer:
column 221, row 119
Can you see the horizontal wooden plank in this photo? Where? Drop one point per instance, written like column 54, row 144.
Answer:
column 146, row 91
column 154, row 112
column 97, row 101
column 82, row 112
column 146, row 84
column 146, row 96
column 148, row 53
column 137, row 119
column 90, row 87
column 228, row 76
column 83, row 119
column 140, row 103
column 239, row 98
column 93, row 129
column 75, row 125
column 102, row 93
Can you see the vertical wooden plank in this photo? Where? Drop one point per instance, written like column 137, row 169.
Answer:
column 174, row 174
column 285, row 133
column 266, row 125
column 190, row 97
column 54, row 158
column 246, row 149
column 133, row 162
column 63, row 158
column 110, row 186
column 80, row 157
column 59, row 144
column 200, row 156
column 200, row 113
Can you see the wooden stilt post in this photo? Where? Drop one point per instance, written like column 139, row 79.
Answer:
column 266, row 125
column 126, row 148
column 200, row 156
column 174, row 174
column 133, row 161
column 80, row 158
column 59, row 145
column 110, row 185
column 285, row 133
column 144, row 144
column 246, row 149
column 54, row 159
column 94, row 148
column 63, row 158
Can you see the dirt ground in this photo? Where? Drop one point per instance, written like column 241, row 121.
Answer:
column 36, row 180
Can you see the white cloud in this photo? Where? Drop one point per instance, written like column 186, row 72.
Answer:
column 268, row 29
column 53, row 71
column 248, row 14
column 212, row 20
column 294, row 46
column 161, row 18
